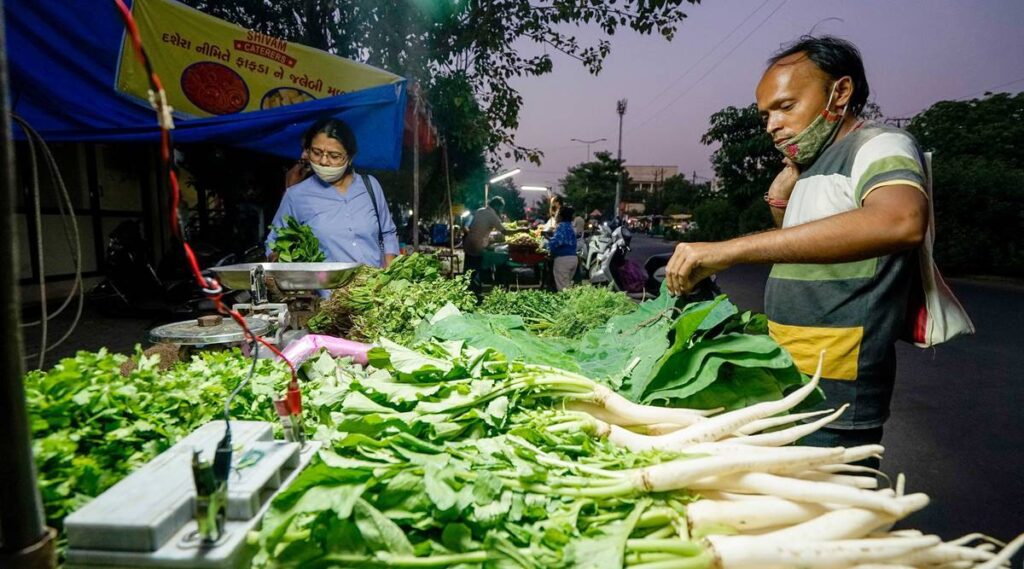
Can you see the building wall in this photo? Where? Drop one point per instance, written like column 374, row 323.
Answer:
column 647, row 178
column 107, row 184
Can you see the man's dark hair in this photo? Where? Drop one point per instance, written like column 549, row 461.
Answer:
column 836, row 57
column 496, row 203
column 333, row 128
column 565, row 213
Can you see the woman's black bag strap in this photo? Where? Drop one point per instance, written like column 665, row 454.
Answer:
column 376, row 213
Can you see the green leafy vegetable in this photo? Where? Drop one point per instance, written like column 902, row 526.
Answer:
column 296, row 243
column 392, row 302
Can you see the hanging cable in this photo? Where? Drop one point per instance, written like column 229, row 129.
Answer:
column 37, row 216
column 71, row 235
column 158, row 99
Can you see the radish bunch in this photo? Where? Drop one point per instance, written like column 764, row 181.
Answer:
column 793, row 506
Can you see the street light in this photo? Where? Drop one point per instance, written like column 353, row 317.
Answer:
column 588, row 143
column 534, row 188
column 620, row 107
column 498, row 178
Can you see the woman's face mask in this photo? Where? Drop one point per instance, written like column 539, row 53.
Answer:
column 805, row 147
column 329, row 174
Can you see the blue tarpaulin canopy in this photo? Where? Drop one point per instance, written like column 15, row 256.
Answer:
column 63, row 61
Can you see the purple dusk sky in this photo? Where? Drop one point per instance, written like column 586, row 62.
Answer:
column 916, row 52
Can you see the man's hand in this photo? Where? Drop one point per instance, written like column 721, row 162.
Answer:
column 692, row 263
column 782, row 188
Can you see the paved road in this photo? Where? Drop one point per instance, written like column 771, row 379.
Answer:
column 957, row 426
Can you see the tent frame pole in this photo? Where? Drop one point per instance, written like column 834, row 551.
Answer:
column 26, row 541
column 416, row 169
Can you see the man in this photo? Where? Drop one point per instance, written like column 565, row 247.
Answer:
column 852, row 211
column 485, row 220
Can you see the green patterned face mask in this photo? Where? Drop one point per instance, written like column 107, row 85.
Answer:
column 805, row 147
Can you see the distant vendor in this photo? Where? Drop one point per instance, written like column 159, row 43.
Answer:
column 485, row 220
column 346, row 211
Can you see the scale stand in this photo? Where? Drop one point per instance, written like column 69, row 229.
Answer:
column 299, row 286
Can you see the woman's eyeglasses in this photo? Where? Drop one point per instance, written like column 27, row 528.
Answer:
column 333, row 157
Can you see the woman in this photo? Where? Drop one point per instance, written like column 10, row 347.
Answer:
column 553, row 206
column 563, row 250
column 346, row 211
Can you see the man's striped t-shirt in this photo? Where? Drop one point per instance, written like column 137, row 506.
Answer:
column 854, row 311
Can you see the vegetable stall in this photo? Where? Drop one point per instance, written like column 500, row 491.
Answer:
column 571, row 429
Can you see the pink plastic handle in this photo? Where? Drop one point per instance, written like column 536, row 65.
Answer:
column 301, row 349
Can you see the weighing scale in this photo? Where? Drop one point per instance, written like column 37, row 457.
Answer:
column 297, row 291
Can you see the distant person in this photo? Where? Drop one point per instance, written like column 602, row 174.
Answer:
column 485, row 220
column 579, row 225
column 554, row 204
column 852, row 207
column 563, row 250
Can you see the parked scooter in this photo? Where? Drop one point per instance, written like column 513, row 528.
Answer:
column 656, row 266
column 606, row 255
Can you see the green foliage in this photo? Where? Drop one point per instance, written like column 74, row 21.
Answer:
column 991, row 128
column 450, row 456
column 391, row 302
column 717, row 220
column 746, row 162
column 591, row 185
column 466, row 50
column 91, row 425
column 570, row 313
column 647, row 353
column 296, row 243
column 755, row 217
column 679, row 195
column 714, row 344
column 978, row 215
column 978, row 171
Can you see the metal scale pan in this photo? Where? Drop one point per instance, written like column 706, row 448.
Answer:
column 290, row 276
column 210, row 330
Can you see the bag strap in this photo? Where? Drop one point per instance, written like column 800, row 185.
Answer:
column 376, row 213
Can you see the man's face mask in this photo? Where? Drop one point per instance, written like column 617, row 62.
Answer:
column 805, row 147
column 329, row 174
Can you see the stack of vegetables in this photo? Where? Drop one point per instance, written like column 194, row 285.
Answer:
column 661, row 437
column 391, row 302
column 710, row 355
column 453, row 456
column 524, row 241
column 570, row 313
column 94, row 419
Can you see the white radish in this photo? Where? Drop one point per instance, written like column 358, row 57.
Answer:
column 801, row 491
column 846, row 523
column 678, row 474
column 750, row 514
column 726, row 448
column 743, row 552
column 720, row 426
column 864, row 482
column 772, row 422
column 881, row 566
column 656, row 428
column 790, row 435
column 945, row 554
column 623, row 412
column 1004, row 556
column 859, row 453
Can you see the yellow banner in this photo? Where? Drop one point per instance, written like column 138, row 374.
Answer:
column 210, row 67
